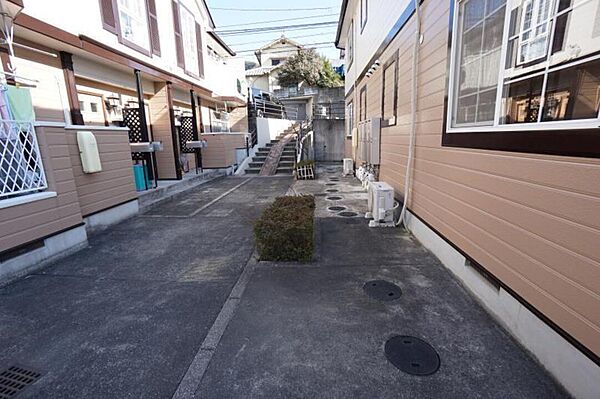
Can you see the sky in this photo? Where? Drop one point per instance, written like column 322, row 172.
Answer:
column 235, row 15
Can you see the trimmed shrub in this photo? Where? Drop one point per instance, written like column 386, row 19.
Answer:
column 284, row 232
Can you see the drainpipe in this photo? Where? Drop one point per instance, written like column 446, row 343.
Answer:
column 413, row 126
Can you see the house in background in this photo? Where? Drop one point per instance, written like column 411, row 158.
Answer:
column 124, row 72
column 504, row 187
column 270, row 57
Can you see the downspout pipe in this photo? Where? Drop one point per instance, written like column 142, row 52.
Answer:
column 413, row 126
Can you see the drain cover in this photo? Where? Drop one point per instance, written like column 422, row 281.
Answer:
column 14, row 379
column 336, row 208
column 412, row 355
column 332, row 190
column 348, row 214
column 330, row 184
column 334, row 198
column 382, row 290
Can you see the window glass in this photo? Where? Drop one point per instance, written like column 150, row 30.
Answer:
column 350, row 118
column 364, row 12
column 389, row 97
column 134, row 22
column 550, row 62
column 481, row 28
column 362, row 115
column 351, row 43
column 190, row 48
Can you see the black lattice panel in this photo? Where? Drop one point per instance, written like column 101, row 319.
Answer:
column 187, row 133
column 132, row 120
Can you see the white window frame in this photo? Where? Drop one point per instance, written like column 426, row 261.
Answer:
column 190, row 45
column 350, row 43
column 350, row 112
column 141, row 19
column 531, row 30
column 575, row 124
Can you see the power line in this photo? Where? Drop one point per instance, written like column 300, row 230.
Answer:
column 280, row 20
column 270, row 9
column 309, row 45
column 275, row 28
column 291, row 37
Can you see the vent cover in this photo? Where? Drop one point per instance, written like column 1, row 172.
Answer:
column 14, row 379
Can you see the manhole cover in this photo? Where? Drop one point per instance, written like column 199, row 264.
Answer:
column 332, row 190
column 336, row 208
column 334, row 179
column 382, row 290
column 348, row 214
column 334, row 198
column 412, row 355
column 14, row 379
column 330, row 184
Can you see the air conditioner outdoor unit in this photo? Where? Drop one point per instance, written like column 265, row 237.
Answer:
column 380, row 204
column 348, row 166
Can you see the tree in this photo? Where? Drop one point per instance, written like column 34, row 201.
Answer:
column 309, row 67
column 328, row 76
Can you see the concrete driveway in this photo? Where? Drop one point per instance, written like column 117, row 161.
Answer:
column 173, row 304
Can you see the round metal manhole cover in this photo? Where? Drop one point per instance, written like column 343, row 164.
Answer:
column 332, row 190
column 334, row 179
column 412, row 355
column 330, row 184
column 382, row 290
column 334, row 198
column 348, row 214
column 336, row 208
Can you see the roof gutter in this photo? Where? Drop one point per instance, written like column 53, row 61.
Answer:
column 340, row 23
column 222, row 43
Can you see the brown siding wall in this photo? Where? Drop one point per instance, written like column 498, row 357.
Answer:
column 28, row 222
column 161, row 131
column 115, row 184
column 221, row 149
column 533, row 221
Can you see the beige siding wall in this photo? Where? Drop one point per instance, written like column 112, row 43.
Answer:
column 28, row 222
column 531, row 220
column 161, row 131
column 221, row 149
column 112, row 186
column 238, row 119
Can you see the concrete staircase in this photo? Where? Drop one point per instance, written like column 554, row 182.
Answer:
column 286, row 162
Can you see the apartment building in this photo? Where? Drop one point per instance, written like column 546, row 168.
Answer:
column 125, row 71
column 500, row 141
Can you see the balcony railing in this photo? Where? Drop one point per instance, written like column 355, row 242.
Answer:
column 21, row 168
column 329, row 110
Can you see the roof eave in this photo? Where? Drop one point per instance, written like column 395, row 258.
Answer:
column 340, row 24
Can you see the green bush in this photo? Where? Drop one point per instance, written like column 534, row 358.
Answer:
column 284, row 232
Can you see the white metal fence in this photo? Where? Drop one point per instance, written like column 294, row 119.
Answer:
column 21, row 168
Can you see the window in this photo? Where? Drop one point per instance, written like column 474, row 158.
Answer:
column 349, row 118
column 362, row 104
column 364, row 13
column 350, row 44
column 133, row 20
column 275, row 61
column 190, row 45
column 525, row 65
column 21, row 168
column 389, row 95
